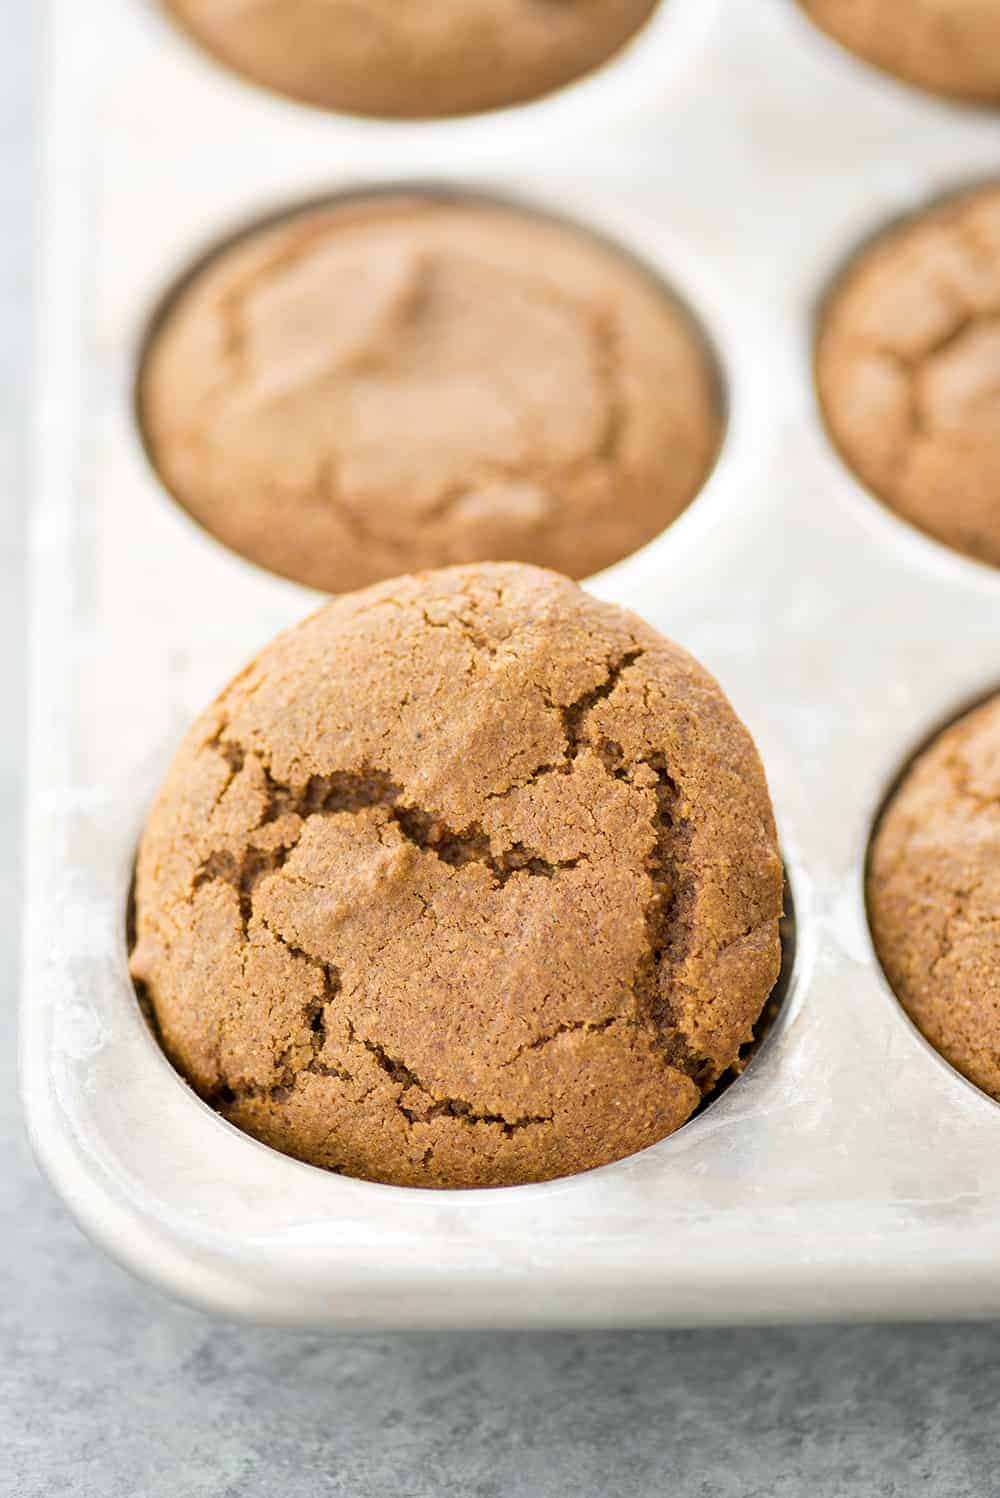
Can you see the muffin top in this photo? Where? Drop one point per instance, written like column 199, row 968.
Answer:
column 908, row 368
column 412, row 60
column 467, row 880
column 395, row 383
column 934, row 894
column 947, row 46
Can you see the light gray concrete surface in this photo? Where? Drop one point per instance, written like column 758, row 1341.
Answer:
column 108, row 1391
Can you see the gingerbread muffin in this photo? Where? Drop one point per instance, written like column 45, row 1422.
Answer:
column 908, row 368
column 395, row 383
column 947, row 46
column 934, row 894
column 468, row 880
column 384, row 57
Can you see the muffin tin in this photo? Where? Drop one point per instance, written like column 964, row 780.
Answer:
column 850, row 1171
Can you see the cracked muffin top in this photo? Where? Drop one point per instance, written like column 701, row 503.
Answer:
column 934, row 894
column 468, row 880
column 946, row 46
column 395, row 383
column 409, row 58
column 908, row 369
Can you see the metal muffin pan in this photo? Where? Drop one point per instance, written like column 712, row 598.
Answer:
column 850, row 1172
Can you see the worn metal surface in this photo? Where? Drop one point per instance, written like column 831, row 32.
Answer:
column 850, row 1172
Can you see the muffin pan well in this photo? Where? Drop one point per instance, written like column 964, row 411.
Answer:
column 907, row 361
column 391, row 381
column 469, row 879
column 849, row 1172
column 647, row 48
column 933, row 891
column 377, row 57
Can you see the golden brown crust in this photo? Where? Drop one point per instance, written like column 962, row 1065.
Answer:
column 934, row 894
column 384, row 57
column 467, row 880
column 908, row 368
column 394, row 383
column 947, row 46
